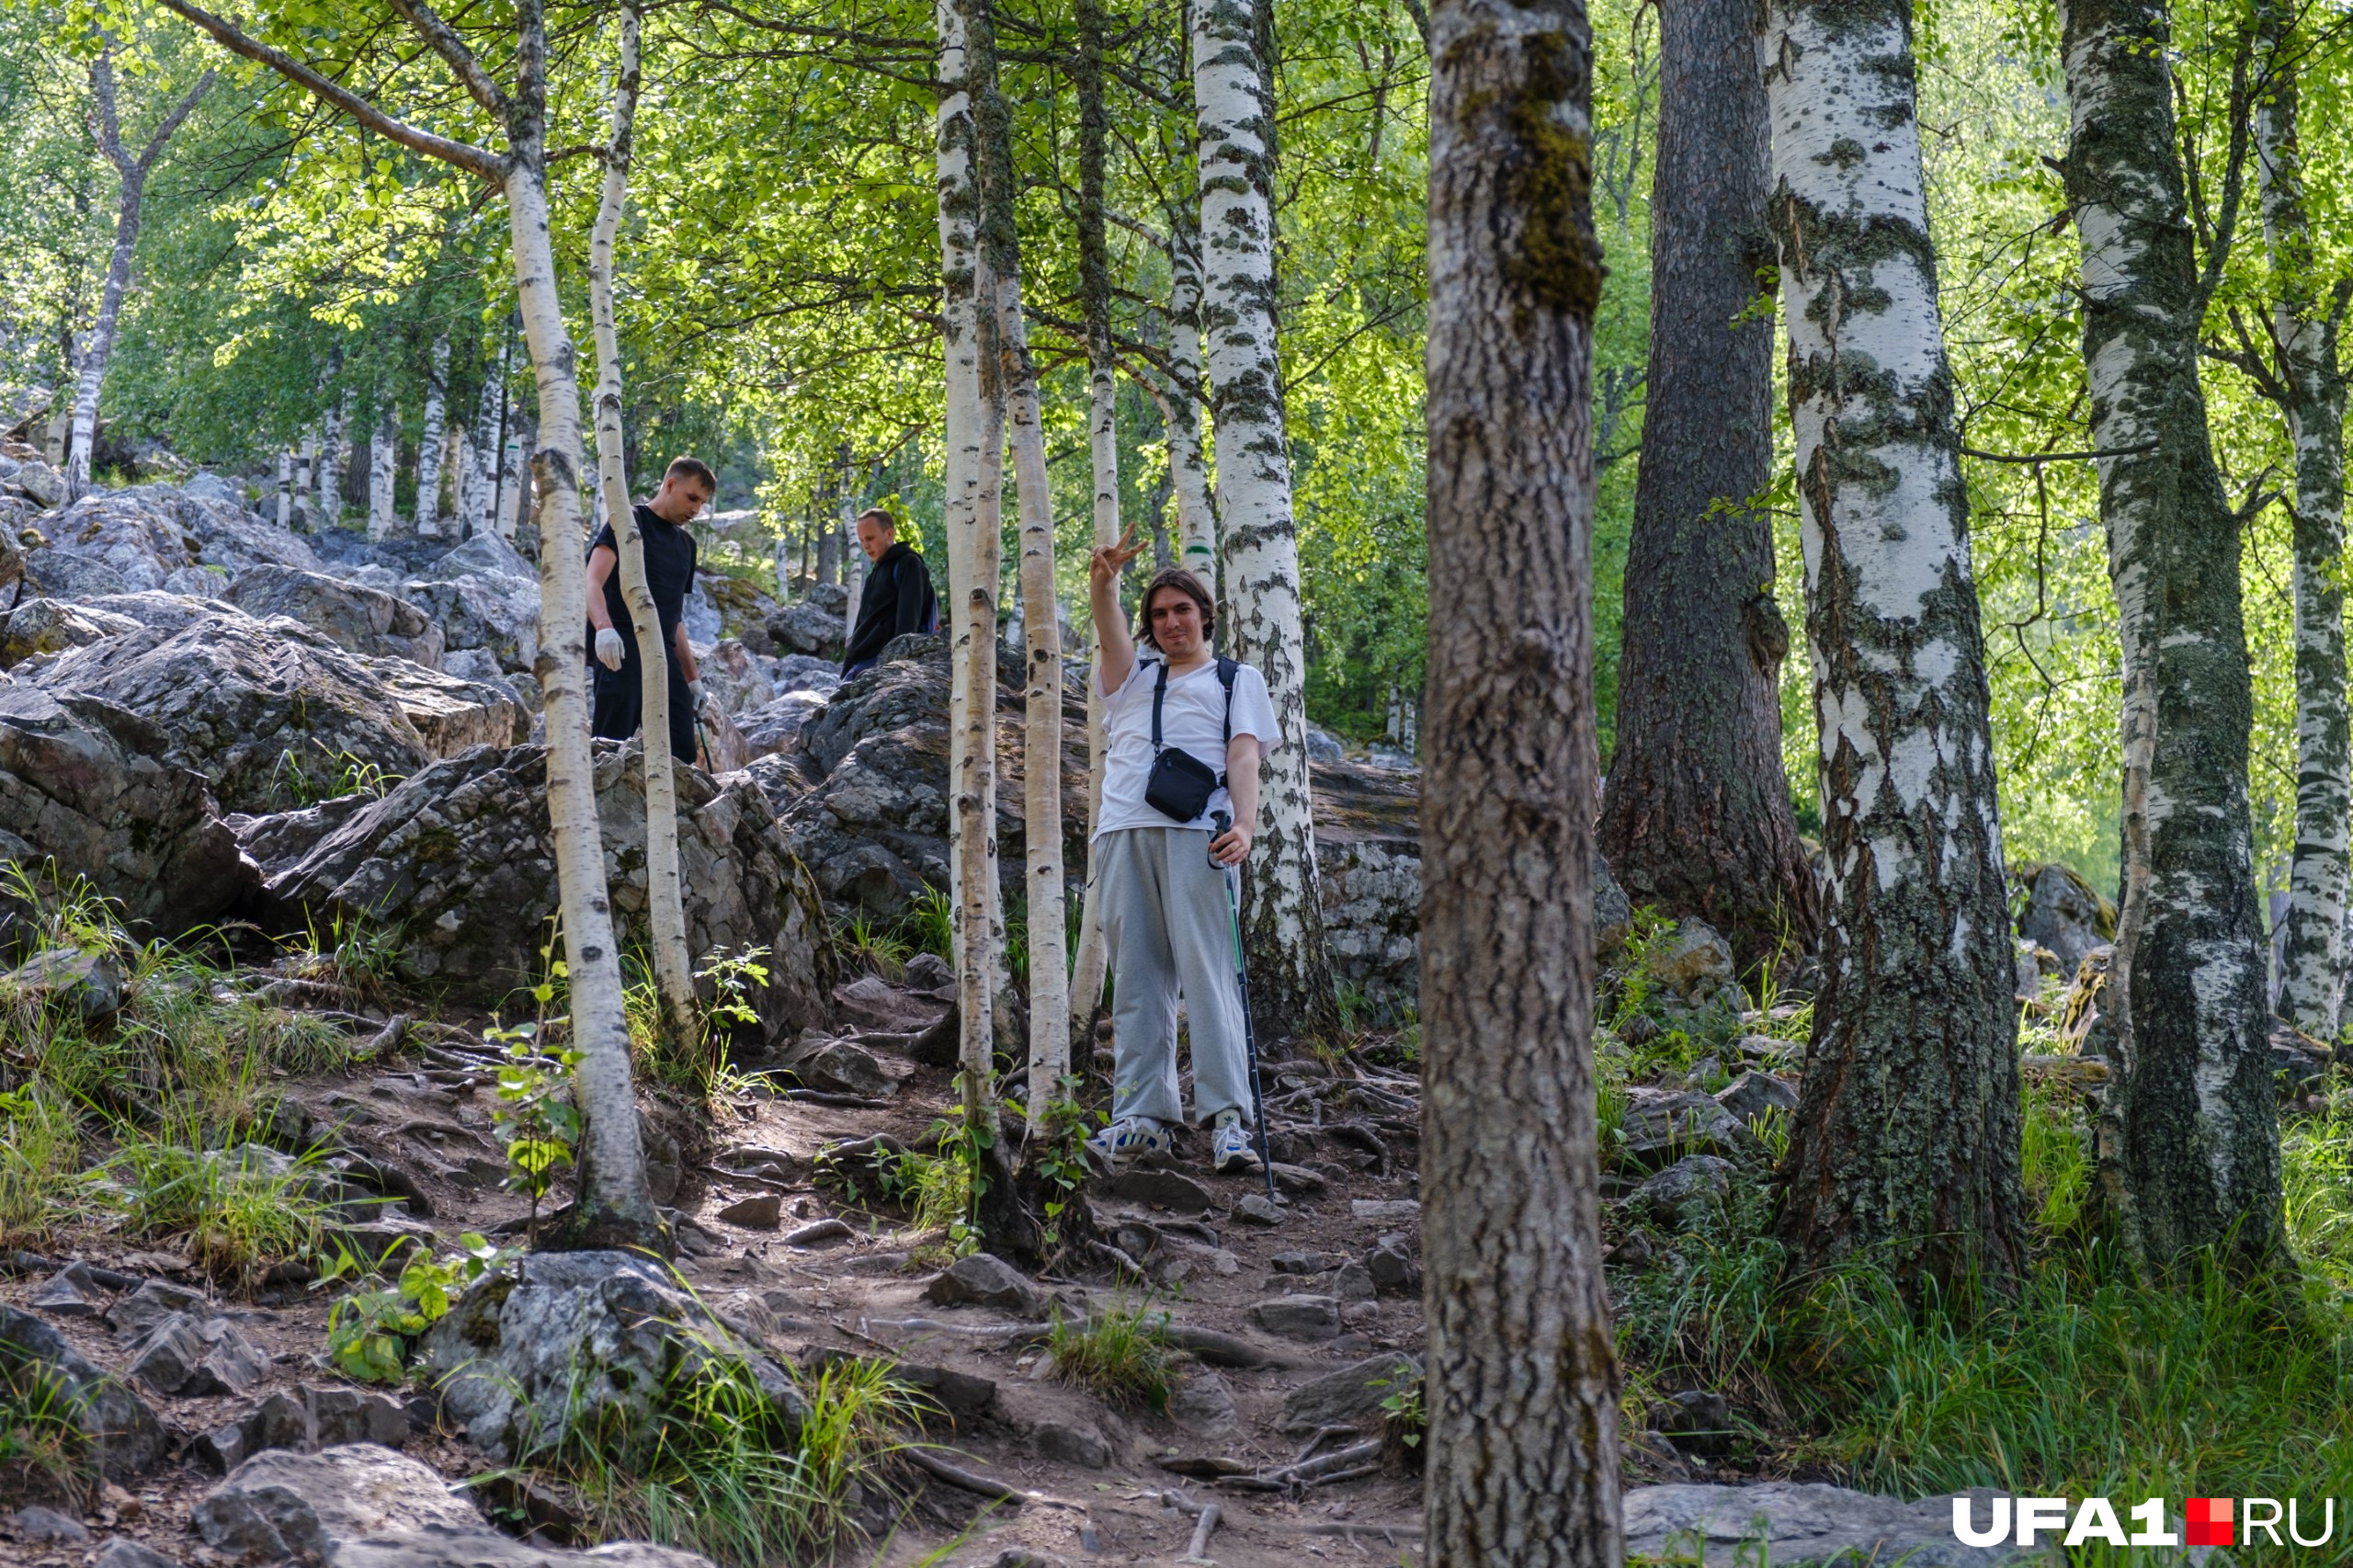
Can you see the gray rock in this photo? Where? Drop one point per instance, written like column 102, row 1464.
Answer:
column 987, row 1281
column 339, row 1415
column 1311, row 1319
column 1751, row 1094
column 483, row 555
column 83, row 782
column 1393, row 1266
column 151, row 1304
column 1804, row 1523
column 461, row 860
column 1385, row 1209
column 221, row 1449
column 959, row 1393
column 191, row 1357
column 1022, row 1557
column 774, row 724
column 1258, row 1209
column 1662, row 1126
column 1613, row 914
column 124, row 1552
column 359, row 619
column 733, row 678
column 280, row 1503
column 600, row 1335
column 1304, row 1262
column 1323, row 746
column 2062, row 912
column 51, row 626
column 155, row 536
column 1699, row 1420
column 1353, row 1283
column 805, row 629
column 1634, row 1253
column 1201, row 1403
column 1337, row 1399
column 930, row 972
column 90, row 983
column 122, row 1433
column 761, row 1211
column 450, row 713
column 1068, row 1444
column 1694, row 962
column 447, row 1546
column 495, row 615
column 234, row 696
column 71, row 1292
column 1172, row 1190
column 49, row 1527
column 839, row 1067
column 1685, row 1193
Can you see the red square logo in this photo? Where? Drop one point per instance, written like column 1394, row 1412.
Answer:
column 2210, row 1521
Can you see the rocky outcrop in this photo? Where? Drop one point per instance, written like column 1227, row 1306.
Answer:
column 82, row 784
column 498, row 615
column 51, row 626
column 452, row 713
column 360, row 620
column 122, row 1434
column 597, row 1338
column 247, row 703
column 1369, row 857
column 459, row 860
column 154, row 536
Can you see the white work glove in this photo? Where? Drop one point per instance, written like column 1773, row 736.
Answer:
column 694, row 691
column 610, row 652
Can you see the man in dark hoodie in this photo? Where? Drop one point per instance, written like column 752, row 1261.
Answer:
column 897, row 597
column 616, row 693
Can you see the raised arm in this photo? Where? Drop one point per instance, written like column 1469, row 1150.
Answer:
column 1115, row 651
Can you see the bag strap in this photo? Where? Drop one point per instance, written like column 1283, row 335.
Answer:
column 1225, row 672
column 1159, row 691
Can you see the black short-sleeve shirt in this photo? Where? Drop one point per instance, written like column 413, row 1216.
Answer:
column 669, row 571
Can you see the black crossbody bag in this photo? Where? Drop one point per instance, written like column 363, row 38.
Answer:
column 1181, row 784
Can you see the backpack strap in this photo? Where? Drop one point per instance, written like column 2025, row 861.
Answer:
column 1159, row 691
column 1225, row 669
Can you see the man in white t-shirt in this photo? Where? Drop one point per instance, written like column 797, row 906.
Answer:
column 1161, row 880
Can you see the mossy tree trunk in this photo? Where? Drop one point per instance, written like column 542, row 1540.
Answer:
column 1522, row 1390
column 1906, row 1137
column 2189, row 1137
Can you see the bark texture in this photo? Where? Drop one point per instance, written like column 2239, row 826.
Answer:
column 1906, row 1142
column 2188, row 1138
column 1523, row 1383
column 429, row 444
column 384, row 459
column 666, row 900
column 1696, row 817
column 1282, row 915
column 2306, row 378
column 332, row 440
column 105, row 127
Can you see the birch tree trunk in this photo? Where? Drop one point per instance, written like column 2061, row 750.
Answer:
column 2189, row 1137
column 305, row 470
column 332, row 460
column 473, row 505
column 384, row 455
column 853, row 565
column 285, row 488
column 1103, row 461
column 615, row 1209
column 1906, row 1139
column 1697, row 819
column 1523, row 1385
column 428, row 445
column 664, row 900
column 1180, row 405
column 1282, row 917
column 105, row 127
column 2309, row 384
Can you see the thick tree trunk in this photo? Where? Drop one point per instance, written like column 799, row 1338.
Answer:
column 666, row 905
column 1282, row 917
column 105, row 127
column 2189, row 1150
column 615, row 1208
column 2310, row 384
column 383, row 456
column 429, row 444
column 1696, row 817
column 1523, row 1386
column 1180, row 405
column 1906, row 1139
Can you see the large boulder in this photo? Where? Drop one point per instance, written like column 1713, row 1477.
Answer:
column 732, row 677
column 123, row 1434
column 497, row 614
column 154, row 536
column 361, row 620
column 452, row 713
column 804, row 627
column 360, row 1505
column 596, row 1338
column 1368, row 857
column 460, row 860
column 248, row 703
column 83, row 783
column 2061, row 911
column 51, row 626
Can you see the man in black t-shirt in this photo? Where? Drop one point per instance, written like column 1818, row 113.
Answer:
column 616, row 676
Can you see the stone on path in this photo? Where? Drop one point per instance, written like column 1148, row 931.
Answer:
column 1354, row 1391
column 1804, row 1523
column 985, row 1281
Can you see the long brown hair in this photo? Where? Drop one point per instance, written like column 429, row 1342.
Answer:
column 1185, row 583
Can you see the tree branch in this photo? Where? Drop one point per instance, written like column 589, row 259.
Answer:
column 229, row 36
column 173, row 121
column 107, row 128
column 428, row 26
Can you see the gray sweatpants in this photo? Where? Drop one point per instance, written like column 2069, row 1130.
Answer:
column 1167, row 926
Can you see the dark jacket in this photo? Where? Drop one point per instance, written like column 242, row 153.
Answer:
column 897, row 599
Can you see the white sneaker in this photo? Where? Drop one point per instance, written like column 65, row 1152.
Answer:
column 1127, row 1138
column 1230, row 1144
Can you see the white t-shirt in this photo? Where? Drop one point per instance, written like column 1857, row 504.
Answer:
column 1192, row 717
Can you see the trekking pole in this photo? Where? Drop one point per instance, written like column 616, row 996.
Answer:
column 1242, row 980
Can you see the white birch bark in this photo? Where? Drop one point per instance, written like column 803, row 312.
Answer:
column 2189, row 1148
column 384, row 455
column 664, row 900
column 473, row 511
column 429, row 444
column 334, row 454
column 1282, row 916
column 2309, row 383
column 853, row 561
column 105, row 127
column 1180, row 408
column 285, row 488
column 306, row 465
column 1906, row 1137
column 973, row 446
